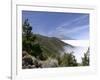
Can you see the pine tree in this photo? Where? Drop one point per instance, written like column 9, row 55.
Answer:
column 71, row 60
column 28, row 41
column 68, row 59
column 85, row 59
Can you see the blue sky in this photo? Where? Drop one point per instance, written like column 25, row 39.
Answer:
column 57, row 24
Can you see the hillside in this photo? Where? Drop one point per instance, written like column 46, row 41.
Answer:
column 40, row 51
column 53, row 53
column 51, row 46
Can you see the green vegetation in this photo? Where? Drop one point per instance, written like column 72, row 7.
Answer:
column 28, row 41
column 85, row 59
column 39, row 51
column 68, row 59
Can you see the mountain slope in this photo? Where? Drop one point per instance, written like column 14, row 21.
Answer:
column 51, row 46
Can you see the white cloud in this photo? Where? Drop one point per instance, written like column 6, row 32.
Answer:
column 73, row 30
column 70, row 22
column 64, row 28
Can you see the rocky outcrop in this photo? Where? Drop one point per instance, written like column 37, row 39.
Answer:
column 48, row 63
column 29, row 62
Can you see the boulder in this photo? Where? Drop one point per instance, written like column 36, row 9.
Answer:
column 49, row 63
column 28, row 61
column 24, row 53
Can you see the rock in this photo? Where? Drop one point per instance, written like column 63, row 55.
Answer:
column 24, row 53
column 28, row 61
column 33, row 66
column 49, row 63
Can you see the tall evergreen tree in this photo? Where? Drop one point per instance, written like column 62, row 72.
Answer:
column 85, row 59
column 28, row 41
column 68, row 60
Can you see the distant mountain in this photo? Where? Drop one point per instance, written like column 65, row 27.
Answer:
column 52, row 46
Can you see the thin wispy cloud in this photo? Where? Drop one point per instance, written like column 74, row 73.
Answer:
column 69, row 27
column 65, row 31
column 70, row 22
column 61, row 25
